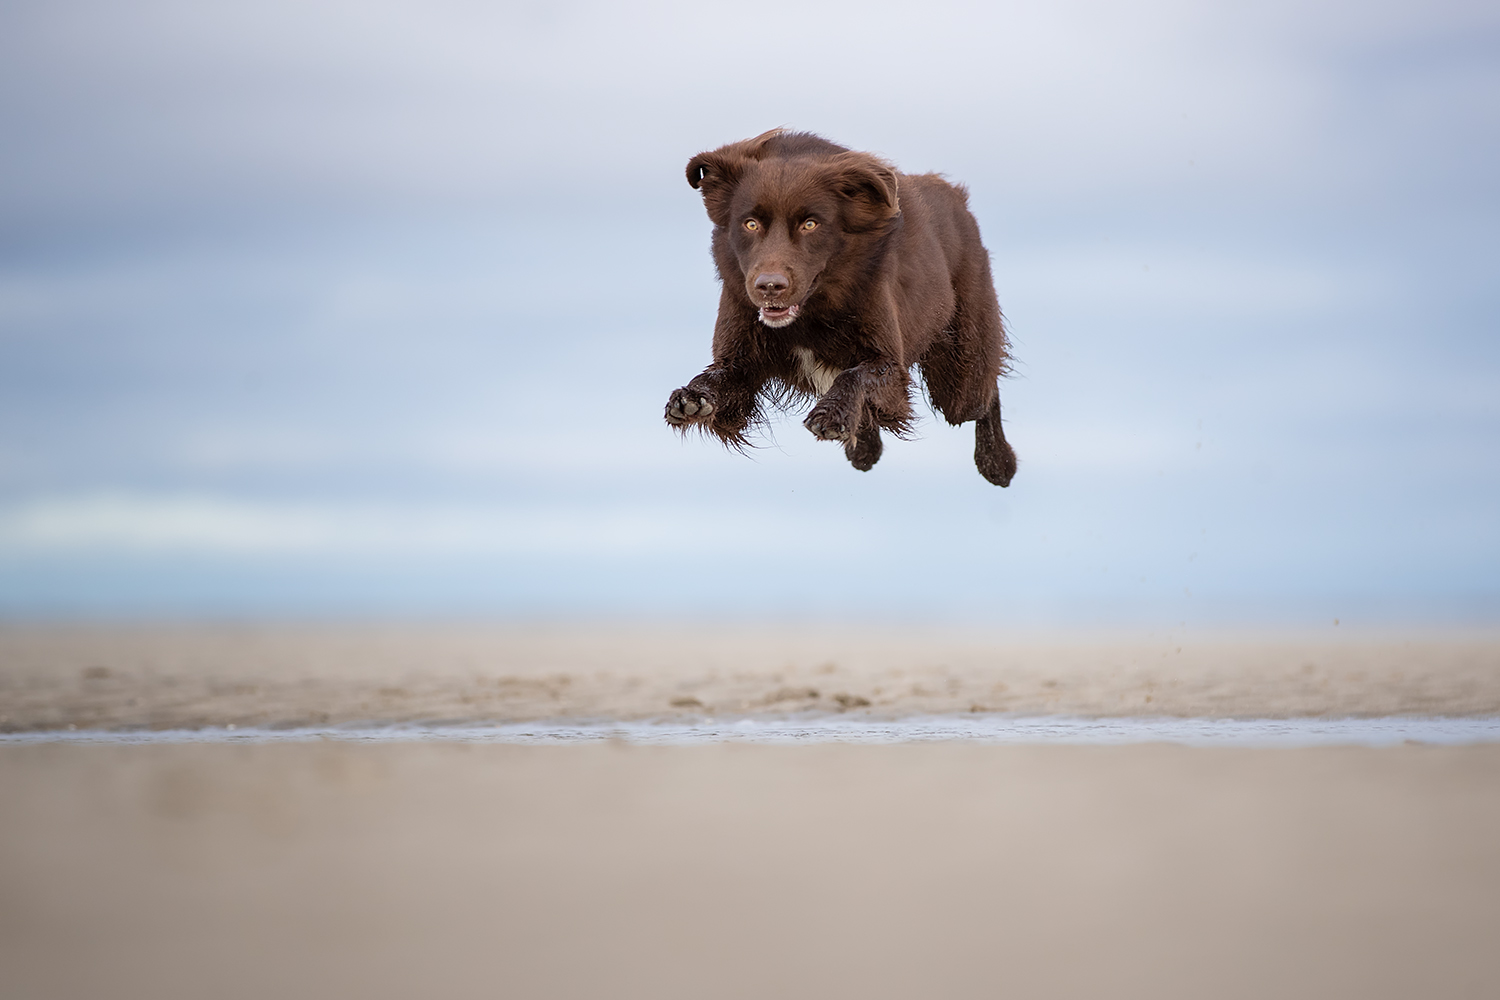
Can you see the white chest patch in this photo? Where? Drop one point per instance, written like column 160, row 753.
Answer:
column 814, row 372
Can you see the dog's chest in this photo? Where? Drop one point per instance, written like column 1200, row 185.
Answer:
column 813, row 372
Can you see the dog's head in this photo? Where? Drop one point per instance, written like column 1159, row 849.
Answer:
column 786, row 205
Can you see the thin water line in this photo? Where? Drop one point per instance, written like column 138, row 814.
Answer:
column 978, row 728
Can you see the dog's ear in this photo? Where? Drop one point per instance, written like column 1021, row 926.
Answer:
column 870, row 185
column 716, row 174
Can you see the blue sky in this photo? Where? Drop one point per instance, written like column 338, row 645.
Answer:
column 335, row 309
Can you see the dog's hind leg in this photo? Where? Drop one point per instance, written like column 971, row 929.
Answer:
column 963, row 367
column 953, row 376
column 993, row 456
column 863, row 450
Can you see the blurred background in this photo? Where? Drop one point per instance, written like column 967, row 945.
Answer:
column 334, row 309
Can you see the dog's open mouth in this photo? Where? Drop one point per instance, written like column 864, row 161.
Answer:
column 778, row 315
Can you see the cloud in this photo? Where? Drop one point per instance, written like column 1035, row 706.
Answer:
column 389, row 253
column 188, row 524
column 170, row 102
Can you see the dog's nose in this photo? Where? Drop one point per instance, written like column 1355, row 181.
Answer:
column 773, row 283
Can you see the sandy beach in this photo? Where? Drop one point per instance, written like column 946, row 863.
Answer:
column 314, row 870
column 318, row 869
column 281, row 676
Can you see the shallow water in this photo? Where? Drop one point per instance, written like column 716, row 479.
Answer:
column 1295, row 732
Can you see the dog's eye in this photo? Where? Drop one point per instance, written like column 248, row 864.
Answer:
column 752, row 225
column 809, row 225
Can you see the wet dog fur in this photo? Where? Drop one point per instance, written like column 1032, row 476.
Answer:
column 839, row 275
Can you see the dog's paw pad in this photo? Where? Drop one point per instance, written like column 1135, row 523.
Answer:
column 826, row 425
column 686, row 405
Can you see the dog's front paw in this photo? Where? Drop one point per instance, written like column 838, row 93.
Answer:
column 689, row 406
column 829, row 421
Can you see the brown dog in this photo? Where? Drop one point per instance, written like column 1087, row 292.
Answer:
column 839, row 274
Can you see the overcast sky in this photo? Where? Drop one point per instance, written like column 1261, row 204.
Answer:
column 333, row 309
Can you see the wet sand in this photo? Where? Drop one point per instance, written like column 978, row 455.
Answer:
column 329, row 869
column 170, row 678
column 951, row 870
